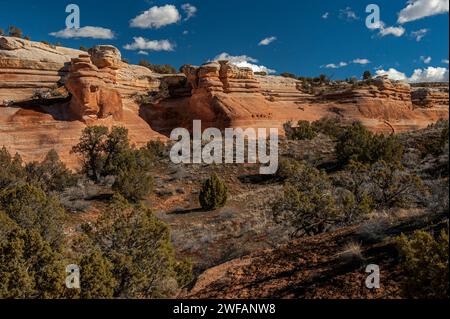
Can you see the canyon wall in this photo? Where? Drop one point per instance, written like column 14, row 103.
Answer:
column 49, row 94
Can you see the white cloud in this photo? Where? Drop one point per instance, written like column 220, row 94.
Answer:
column 425, row 59
column 267, row 41
column 445, row 61
column 395, row 31
column 325, row 15
column 392, row 74
column 384, row 31
column 361, row 61
column 143, row 52
column 418, row 9
column 156, row 17
column 244, row 61
column 185, row 32
column 419, row 34
column 190, row 10
column 348, row 14
column 430, row 74
column 143, row 44
column 335, row 66
column 85, row 32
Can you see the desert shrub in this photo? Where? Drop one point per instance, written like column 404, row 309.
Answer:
column 330, row 126
column 134, row 184
column 14, row 31
column 367, row 75
column 393, row 186
column 11, row 169
column 213, row 194
column 435, row 146
column 91, row 149
column 288, row 75
column 157, row 148
column 97, row 281
column 307, row 204
column 425, row 265
column 29, row 267
column 303, row 131
column 138, row 246
column 51, row 174
column 287, row 168
column 158, row 68
column 32, row 209
column 107, row 153
column 359, row 144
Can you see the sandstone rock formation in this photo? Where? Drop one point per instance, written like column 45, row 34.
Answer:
column 92, row 89
column 281, row 89
column 101, row 92
column 27, row 66
column 105, row 90
column 430, row 95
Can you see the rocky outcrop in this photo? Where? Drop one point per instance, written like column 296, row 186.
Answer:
column 93, row 93
column 282, row 89
column 430, row 95
column 101, row 87
column 35, row 78
column 27, row 67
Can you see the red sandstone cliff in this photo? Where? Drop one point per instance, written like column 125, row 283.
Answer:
column 49, row 94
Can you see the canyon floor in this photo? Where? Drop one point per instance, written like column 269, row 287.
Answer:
column 239, row 251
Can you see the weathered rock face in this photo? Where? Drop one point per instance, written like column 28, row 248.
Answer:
column 281, row 89
column 105, row 90
column 106, row 56
column 100, row 92
column 92, row 89
column 27, row 66
column 430, row 95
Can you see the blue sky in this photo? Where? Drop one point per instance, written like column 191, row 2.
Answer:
column 303, row 37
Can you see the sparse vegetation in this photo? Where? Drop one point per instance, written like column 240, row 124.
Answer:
column 213, row 194
column 14, row 31
column 359, row 144
column 158, row 68
column 425, row 265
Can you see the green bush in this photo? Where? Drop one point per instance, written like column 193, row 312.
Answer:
column 134, row 184
column 139, row 248
column 158, row 68
column 303, row 131
column 107, row 153
column 307, row 204
column 359, row 144
column 32, row 209
column 11, row 169
column 213, row 194
column 393, row 186
column 435, row 146
column 425, row 265
column 97, row 279
column 51, row 174
column 29, row 267
column 91, row 149
column 330, row 126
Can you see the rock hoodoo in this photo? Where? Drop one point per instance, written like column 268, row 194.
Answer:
column 93, row 93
